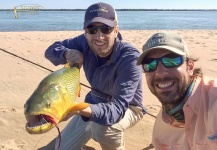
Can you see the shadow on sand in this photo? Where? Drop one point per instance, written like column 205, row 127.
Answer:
column 149, row 147
column 51, row 146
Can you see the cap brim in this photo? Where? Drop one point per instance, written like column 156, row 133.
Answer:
column 168, row 48
column 109, row 23
column 139, row 61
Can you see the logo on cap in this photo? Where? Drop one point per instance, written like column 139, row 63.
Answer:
column 158, row 35
column 102, row 9
column 157, row 39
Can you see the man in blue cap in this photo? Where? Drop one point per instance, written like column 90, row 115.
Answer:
column 116, row 81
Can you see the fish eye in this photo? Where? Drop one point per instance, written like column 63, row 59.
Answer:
column 48, row 103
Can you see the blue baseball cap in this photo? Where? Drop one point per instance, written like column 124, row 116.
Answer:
column 100, row 12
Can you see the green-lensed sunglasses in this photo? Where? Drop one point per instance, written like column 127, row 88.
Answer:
column 169, row 61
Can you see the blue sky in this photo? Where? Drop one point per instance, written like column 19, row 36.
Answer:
column 117, row 4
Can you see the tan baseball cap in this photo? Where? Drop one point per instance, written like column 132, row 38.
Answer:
column 166, row 40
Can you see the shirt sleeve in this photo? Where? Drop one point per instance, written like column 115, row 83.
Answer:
column 125, row 87
column 212, row 115
column 55, row 52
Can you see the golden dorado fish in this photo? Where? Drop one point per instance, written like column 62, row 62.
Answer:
column 53, row 99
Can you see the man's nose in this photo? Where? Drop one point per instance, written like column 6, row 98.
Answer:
column 161, row 69
column 99, row 34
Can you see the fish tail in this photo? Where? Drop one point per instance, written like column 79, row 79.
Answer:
column 67, row 65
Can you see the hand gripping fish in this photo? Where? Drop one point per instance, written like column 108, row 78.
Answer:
column 53, row 99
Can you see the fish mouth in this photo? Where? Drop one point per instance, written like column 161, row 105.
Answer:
column 37, row 124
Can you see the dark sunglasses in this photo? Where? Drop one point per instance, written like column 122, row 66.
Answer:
column 104, row 29
column 169, row 61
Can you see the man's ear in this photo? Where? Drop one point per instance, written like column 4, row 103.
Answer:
column 190, row 67
column 116, row 31
column 85, row 34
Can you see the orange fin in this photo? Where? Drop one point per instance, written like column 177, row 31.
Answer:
column 79, row 106
column 79, row 90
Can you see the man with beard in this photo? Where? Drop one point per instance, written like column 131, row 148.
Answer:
column 110, row 68
column 188, row 118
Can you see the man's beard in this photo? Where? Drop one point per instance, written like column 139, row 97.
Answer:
column 175, row 97
column 103, row 51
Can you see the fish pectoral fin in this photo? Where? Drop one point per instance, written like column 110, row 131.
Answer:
column 79, row 106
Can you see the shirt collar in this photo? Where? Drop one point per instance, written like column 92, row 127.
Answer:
column 116, row 52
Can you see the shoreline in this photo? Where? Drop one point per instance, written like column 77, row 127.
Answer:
column 120, row 30
column 42, row 9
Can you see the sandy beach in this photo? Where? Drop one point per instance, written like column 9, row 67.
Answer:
column 19, row 78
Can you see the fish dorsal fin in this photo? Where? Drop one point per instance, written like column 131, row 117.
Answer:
column 79, row 90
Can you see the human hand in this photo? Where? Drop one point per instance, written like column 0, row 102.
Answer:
column 74, row 57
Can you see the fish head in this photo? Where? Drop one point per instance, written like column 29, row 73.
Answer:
column 47, row 101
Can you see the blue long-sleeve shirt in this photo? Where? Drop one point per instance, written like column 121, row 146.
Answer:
column 115, row 85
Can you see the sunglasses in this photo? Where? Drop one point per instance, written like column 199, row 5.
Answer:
column 104, row 29
column 169, row 61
